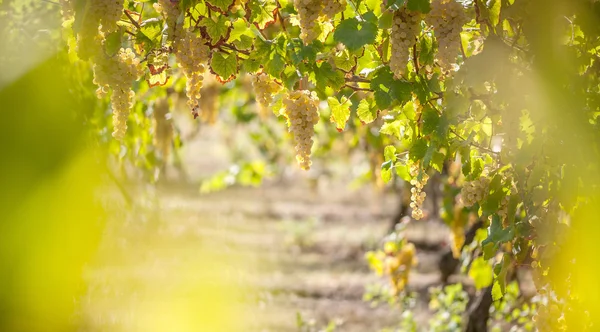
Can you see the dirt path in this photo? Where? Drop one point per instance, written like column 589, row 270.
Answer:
column 302, row 252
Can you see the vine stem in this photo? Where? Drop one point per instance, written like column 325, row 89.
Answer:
column 473, row 144
column 355, row 88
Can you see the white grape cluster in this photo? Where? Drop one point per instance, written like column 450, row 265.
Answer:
column 163, row 127
column 503, row 209
column 108, row 13
column 210, row 101
column 475, row 191
column 302, row 113
column 417, row 194
column 405, row 29
column 447, row 18
column 308, row 15
column 117, row 74
column 171, row 12
column 264, row 89
column 332, row 8
column 191, row 53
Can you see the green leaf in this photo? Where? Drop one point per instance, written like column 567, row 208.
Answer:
column 497, row 292
column 393, row 128
column 216, row 27
column 275, row 65
column 366, row 111
column 386, row 171
column 426, row 54
column 355, row 34
column 261, row 13
column 224, row 65
column 223, row 5
column 326, row 76
column 340, row 111
column 386, row 87
column 344, row 60
column 397, row 4
column 418, row 150
column 496, row 234
column 481, row 273
column 386, row 20
column 389, row 153
column 431, row 120
column 239, row 29
column 113, row 42
column 422, row 6
column 501, row 272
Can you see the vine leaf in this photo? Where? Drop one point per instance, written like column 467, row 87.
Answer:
column 418, row 150
column 340, row 111
column 481, row 273
column 393, row 128
column 355, row 34
column 224, row 66
column 239, row 29
column 501, row 271
column 326, row 76
column 261, row 13
column 389, row 153
column 422, row 6
column 366, row 111
column 386, row 87
column 223, row 5
column 496, row 234
column 216, row 28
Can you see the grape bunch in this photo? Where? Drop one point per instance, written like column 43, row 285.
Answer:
column 191, row 53
column 308, row 15
column 163, row 127
column 209, row 106
column 332, row 8
column 264, row 89
column 398, row 265
column 117, row 74
column 405, row 29
column 447, row 18
column 417, row 194
column 475, row 191
column 171, row 12
column 302, row 113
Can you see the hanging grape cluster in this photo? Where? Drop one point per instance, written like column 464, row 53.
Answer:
column 163, row 127
column 333, row 7
column 447, row 18
column 264, row 89
column 398, row 264
column 475, row 191
column 308, row 15
column 302, row 113
column 192, row 53
column 171, row 12
column 417, row 194
column 405, row 29
column 118, row 74
column 209, row 107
